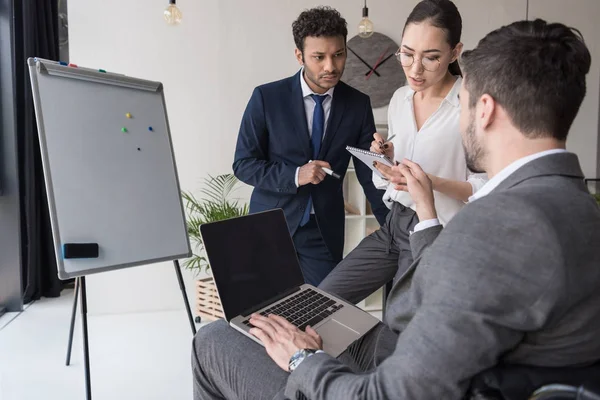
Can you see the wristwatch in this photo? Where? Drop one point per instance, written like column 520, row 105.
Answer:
column 298, row 357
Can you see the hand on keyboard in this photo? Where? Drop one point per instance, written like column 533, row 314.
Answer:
column 305, row 308
column 282, row 339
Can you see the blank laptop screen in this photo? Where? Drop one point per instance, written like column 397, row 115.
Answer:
column 252, row 258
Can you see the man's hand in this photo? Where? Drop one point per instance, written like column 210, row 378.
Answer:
column 312, row 172
column 282, row 339
column 409, row 177
column 378, row 145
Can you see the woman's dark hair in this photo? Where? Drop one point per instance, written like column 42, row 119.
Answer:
column 442, row 14
column 316, row 22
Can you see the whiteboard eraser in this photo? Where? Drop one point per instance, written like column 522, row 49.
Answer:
column 80, row 250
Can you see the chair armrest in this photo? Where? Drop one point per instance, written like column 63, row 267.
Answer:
column 589, row 391
column 555, row 392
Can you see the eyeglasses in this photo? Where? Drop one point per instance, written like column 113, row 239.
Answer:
column 430, row 64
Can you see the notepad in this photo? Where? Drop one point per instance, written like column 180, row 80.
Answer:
column 368, row 157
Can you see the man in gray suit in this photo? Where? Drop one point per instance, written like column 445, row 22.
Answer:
column 513, row 278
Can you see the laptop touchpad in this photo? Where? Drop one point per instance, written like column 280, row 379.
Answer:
column 335, row 331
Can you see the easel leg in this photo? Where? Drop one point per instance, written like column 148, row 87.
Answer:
column 185, row 299
column 86, row 349
column 70, row 344
column 80, row 287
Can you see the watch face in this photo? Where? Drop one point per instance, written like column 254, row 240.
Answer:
column 372, row 68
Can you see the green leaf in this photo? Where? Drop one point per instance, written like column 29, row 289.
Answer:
column 216, row 205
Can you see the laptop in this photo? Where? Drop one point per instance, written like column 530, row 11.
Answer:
column 256, row 270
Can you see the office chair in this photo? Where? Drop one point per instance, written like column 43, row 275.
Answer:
column 520, row 382
column 566, row 392
column 547, row 392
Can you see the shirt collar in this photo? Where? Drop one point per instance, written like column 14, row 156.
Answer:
column 451, row 97
column 509, row 170
column 307, row 91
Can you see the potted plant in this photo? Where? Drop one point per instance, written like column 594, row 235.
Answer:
column 594, row 182
column 216, row 204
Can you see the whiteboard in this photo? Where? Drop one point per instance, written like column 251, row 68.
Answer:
column 109, row 168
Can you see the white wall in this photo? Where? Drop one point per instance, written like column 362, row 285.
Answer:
column 583, row 15
column 209, row 66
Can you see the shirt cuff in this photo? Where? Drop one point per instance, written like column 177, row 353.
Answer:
column 379, row 182
column 428, row 223
column 477, row 181
column 296, row 177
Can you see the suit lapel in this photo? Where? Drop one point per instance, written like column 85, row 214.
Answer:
column 338, row 106
column 299, row 116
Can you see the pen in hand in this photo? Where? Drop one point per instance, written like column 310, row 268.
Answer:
column 329, row 172
column 387, row 140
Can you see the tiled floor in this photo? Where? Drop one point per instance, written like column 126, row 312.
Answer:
column 142, row 356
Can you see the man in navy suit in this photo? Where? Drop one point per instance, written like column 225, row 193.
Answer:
column 295, row 127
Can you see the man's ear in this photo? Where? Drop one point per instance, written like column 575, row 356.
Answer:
column 299, row 56
column 486, row 112
column 457, row 51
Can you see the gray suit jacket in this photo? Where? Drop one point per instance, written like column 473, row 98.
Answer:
column 514, row 276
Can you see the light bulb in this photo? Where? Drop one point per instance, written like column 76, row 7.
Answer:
column 173, row 14
column 365, row 27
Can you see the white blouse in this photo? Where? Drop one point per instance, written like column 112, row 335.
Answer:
column 437, row 148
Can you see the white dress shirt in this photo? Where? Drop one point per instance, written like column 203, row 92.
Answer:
column 309, row 109
column 309, row 103
column 437, row 148
column 509, row 170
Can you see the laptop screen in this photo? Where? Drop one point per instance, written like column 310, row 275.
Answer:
column 252, row 259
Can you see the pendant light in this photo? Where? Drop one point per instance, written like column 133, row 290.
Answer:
column 365, row 27
column 172, row 13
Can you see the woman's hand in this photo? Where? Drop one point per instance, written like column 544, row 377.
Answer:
column 379, row 145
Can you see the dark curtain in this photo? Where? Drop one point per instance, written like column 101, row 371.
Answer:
column 36, row 35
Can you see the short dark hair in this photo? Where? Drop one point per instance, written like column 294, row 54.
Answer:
column 320, row 21
column 442, row 14
column 535, row 70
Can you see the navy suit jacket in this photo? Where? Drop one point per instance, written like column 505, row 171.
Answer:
column 273, row 141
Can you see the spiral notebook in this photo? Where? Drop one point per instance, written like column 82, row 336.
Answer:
column 368, row 157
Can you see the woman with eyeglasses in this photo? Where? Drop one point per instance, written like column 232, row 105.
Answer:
column 423, row 117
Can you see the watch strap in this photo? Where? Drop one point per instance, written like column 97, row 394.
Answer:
column 299, row 356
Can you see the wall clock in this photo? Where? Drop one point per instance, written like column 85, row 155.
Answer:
column 372, row 68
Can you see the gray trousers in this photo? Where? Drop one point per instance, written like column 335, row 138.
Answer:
column 380, row 257
column 228, row 365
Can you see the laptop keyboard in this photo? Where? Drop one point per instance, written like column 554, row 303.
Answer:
column 305, row 308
